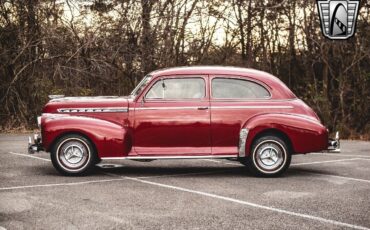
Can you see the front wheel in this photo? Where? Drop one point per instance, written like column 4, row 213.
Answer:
column 270, row 156
column 73, row 154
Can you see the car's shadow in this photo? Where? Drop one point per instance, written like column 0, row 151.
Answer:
column 180, row 171
column 157, row 171
column 206, row 172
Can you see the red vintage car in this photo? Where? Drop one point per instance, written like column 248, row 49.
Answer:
column 185, row 113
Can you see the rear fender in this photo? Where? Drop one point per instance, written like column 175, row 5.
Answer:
column 305, row 134
column 109, row 139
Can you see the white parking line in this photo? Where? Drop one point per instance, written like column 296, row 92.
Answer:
column 291, row 213
column 175, row 175
column 323, row 162
column 106, row 180
column 186, row 174
column 296, row 164
column 95, row 181
column 365, row 159
column 316, row 162
column 30, row 156
column 341, row 177
column 229, row 163
column 336, row 155
column 182, row 174
column 222, row 162
column 61, row 184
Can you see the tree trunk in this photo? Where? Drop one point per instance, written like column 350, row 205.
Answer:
column 146, row 37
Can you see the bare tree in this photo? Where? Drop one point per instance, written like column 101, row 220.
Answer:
column 105, row 47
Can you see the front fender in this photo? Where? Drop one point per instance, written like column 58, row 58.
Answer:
column 110, row 139
column 305, row 134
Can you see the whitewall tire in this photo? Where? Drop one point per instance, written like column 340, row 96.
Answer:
column 73, row 154
column 270, row 156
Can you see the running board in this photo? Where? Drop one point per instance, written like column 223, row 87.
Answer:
column 169, row 157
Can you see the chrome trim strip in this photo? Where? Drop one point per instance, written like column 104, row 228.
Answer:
column 94, row 110
column 218, row 107
column 254, row 107
column 243, row 135
column 166, row 108
column 168, row 157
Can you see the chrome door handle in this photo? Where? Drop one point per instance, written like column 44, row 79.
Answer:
column 203, row 108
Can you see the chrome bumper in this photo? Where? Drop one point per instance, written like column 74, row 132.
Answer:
column 34, row 144
column 334, row 144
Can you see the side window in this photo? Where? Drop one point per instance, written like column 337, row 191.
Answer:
column 237, row 88
column 178, row 88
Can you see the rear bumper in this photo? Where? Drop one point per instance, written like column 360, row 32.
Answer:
column 34, row 144
column 334, row 144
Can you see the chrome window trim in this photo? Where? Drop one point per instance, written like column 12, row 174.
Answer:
column 238, row 100
column 94, row 110
column 133, row 93
column 154, row 100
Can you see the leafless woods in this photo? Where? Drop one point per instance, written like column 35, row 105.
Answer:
column 80, row 47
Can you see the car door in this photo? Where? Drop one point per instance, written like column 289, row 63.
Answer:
column 173, row 118
column 233, row 101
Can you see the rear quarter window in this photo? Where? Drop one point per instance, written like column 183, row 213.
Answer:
column 238, row 88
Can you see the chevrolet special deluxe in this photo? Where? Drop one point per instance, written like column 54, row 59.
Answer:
column 184, row 113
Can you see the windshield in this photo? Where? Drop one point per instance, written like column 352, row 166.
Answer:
column 141, row 86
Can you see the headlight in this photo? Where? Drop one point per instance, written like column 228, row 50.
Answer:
column 39, row 121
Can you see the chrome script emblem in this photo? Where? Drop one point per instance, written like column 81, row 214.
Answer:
column 338, row 17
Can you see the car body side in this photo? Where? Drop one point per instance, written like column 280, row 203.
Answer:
column 143, row 127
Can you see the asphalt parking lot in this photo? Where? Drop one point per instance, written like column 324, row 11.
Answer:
column 320, row 191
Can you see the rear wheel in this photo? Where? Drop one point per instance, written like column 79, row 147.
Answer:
column 73, row 154
column 270, row 156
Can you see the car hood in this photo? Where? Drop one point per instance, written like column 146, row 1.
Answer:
column 87, row 104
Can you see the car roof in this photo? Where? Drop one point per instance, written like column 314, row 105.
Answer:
column 209, row 70
column 281, row 90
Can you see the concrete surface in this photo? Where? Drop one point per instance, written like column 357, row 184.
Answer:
column 319, row 191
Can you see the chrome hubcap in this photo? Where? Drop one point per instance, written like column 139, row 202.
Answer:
column 269, row 156
column 73, row 154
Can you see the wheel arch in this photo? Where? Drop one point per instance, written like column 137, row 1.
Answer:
column 109, row 139
column 274, row 132
column 68, row 132
column 302, row 134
